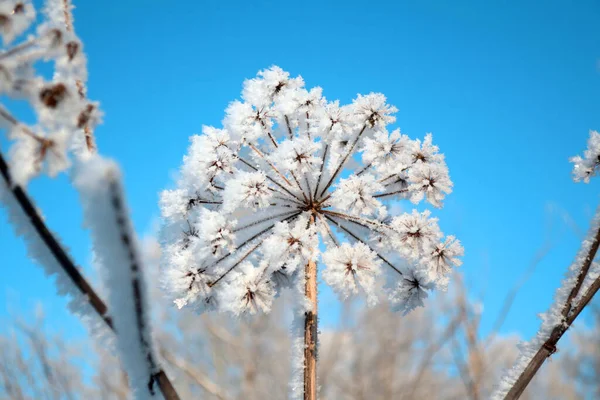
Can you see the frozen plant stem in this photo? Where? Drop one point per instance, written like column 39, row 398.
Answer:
column 310, row 332
column 69, row 268
column 53, row 245
column 116, row 249
column 570, row 312
column 576, row 291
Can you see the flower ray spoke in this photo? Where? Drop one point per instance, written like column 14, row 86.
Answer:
column 341, row 165
column 254, row 237
column 289, row 128
column 249, row 165
column 390, row 193
column 270, row 164
column 323, row 159
column 328, row 228
column 262, row 220
column 364, row 222
column 365, row 169
column 357, row 238
column 213, row 283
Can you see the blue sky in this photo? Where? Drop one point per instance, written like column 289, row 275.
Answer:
column 509, row 93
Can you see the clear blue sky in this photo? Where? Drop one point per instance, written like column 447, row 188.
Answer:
column 509, row 90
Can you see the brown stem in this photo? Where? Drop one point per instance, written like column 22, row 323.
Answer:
column 310, row 331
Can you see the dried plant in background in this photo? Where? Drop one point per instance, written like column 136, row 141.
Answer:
column 221, row 357
column 256, row 200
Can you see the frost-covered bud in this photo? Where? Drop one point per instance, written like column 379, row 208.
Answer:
column 587, row 166
column 373, row 110
column 249, row 291
column 291, row 246
column 247, row 189
column 216, row 231
column 440, row 257
column 336, row 122
column 174, row 204
column 273, row 84
column 408, row 294
column 248, row 122
column 388, row 153
column 15, row 18
column 310, row 109
column 426, row 151
column 69, row 58
column 31, row 154
column 188, row 282
column 356, row 195
column 350, row 269
column 430, row 181
column 206, row 165
column 58, row 105
column 218, row 139
column 415, row 232
column 90, row 116
column 298, row 155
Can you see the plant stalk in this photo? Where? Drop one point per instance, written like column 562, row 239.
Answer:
column 310, row 332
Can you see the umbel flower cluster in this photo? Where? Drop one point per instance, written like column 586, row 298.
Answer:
column 293, row 178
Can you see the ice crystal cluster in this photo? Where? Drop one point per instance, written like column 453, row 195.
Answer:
column 587, row 166
column 64, row 117
column 292, row 177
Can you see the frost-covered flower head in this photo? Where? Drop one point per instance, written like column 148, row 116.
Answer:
column 587, row 166
column 257, row 199
column 64, row 116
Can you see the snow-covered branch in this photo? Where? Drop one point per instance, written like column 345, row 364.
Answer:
column 116, row 248
column 577, row 289
column 45, row 248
